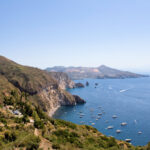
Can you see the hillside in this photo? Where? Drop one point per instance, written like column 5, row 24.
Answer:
column 42, row 88
column 99, row 72
column 31, row 129
column 27, row 98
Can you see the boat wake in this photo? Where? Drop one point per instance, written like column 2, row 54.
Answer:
column 125, row 90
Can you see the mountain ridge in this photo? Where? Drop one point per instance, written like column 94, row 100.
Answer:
column 100, row 72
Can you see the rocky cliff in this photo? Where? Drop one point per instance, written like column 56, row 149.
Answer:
column 43, row 89
column 63, row 80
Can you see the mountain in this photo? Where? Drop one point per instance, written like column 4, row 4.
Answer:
column 89, row 72
column 27, row 98
column 43, row 89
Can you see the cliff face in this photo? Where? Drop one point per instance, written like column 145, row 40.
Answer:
column 44, row 90
column 63, row 80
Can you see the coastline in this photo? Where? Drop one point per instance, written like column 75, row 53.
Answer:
column 53, row 110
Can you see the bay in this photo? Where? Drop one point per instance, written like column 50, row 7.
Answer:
column 128, row 99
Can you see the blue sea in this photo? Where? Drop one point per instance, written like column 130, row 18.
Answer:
column 128, row 99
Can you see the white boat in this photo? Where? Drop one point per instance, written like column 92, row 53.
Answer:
column 128, row 140
column 118, row 131
column 139, row 132
column 123, row 124
column 110, row 127
column 93, row 123
column 125, row 90
column 114, row 117
column 122, row 91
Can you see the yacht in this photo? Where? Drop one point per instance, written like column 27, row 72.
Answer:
column 118, row 131
column 110, row 127
column 128, row 140
column 123, row 124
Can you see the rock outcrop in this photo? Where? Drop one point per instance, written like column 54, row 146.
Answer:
column 79, row 85
column 79, row 100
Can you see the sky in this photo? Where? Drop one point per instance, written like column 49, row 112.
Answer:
column 46, row 33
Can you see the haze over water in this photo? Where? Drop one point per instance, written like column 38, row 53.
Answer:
column 129, row 99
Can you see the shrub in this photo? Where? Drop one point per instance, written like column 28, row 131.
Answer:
column 38, row 124
column 25, row 119
column 112, row 142
column 55, row 146
column 10, row 136
column 66, row 124
column 148, row 146
column 31, row 142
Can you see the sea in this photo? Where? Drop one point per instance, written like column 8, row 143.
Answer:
column 127, row 100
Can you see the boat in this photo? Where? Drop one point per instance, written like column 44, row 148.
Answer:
column 118, row 131
column 82, row 114
column 99, row 114
column 128, row 140
column 125, row 90
column 123, row 124
column 93, row 123
column 110, row 127
column 139, row 132
column 122, row 91
column 114, row 117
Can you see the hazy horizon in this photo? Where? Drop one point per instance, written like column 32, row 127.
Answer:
column 77, row 33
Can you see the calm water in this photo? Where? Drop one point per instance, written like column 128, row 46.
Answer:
column 132, row 105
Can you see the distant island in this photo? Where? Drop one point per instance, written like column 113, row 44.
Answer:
column 100, row 72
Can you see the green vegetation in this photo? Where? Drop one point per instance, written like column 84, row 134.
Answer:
column 31, row 82
column 18, row 132
column 24, row 124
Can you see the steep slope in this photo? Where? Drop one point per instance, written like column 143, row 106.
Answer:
column 63, row 80
column 5, row 88
column 99, row 72
column 39, row 84
column 32, row 129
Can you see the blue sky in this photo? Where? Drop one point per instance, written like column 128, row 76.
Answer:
column 45, row 33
